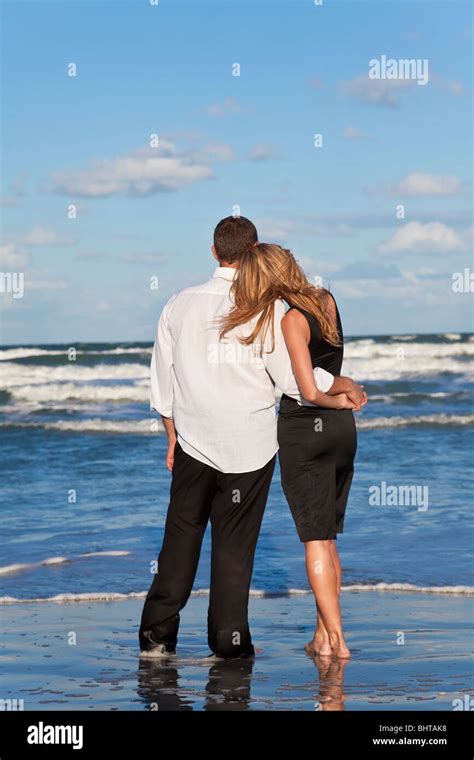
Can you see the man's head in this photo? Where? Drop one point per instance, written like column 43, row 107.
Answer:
column 233, row 236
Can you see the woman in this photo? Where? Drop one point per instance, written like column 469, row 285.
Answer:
column 317, row 440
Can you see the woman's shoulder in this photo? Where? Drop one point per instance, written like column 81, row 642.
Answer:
column 294, row 314
column 330, row 303
column 294, row 319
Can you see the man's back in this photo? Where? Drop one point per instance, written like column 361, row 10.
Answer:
column 222, row 398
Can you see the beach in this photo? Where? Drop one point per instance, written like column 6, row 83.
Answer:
column 85, row 497
column 410, row 651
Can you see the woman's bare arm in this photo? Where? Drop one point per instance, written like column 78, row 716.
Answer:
column 296, row 331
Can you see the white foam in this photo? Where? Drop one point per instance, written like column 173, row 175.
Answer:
column 428, row 419
column 387, row 397
column 107, row 596
column 402, row 357
column 16, row 568
column 105, row 554
column 151, row 426
column 363, row 349
column 154, row 426
column 26, row 374
column 76, row 392
column 405, row 360
column 11, row 354
column 411, row 588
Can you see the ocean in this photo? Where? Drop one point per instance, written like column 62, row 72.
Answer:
column 85, row 487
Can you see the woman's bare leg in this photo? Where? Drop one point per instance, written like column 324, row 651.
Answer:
column 324, row 575
column 321, row 644
column 337, row 565
column 321, row 635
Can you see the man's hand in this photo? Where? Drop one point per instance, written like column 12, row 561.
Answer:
column 170, row 429
column 170, row 454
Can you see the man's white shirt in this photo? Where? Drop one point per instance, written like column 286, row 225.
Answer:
column 220, row 393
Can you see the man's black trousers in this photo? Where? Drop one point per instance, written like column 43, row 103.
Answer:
column 234, row 503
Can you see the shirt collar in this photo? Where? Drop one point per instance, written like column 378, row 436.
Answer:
column 227, row 273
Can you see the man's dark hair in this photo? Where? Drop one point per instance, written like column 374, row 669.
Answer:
column 233, row 236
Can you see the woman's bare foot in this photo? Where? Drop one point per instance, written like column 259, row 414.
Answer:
column 339, row 647
column 320, row 646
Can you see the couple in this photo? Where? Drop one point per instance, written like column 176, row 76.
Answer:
column 219, row 351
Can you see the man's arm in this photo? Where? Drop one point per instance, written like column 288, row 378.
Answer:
column 161, row 368
column 353, row 390
column 161, row 372
column 170, row 429
column 278, row 362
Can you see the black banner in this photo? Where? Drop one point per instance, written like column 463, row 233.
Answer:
column 375, row 734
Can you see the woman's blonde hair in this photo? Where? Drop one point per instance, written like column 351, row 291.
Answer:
column 268, row 272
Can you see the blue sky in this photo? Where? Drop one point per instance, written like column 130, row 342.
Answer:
column 227, row 140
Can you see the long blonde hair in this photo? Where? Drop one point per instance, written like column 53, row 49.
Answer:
column 267, row 272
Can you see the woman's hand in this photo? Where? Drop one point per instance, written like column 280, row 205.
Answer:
column 343, row 401
column 358, row 407
column 170, row 453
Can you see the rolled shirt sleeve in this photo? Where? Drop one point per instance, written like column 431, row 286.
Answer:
column 161, row 367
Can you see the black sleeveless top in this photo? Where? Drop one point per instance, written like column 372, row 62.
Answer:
column 323, row 354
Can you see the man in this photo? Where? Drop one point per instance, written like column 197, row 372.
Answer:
column 217, row 402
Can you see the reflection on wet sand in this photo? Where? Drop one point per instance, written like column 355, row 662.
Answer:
column 331, row 695
column 158, row 686
column 228, row 685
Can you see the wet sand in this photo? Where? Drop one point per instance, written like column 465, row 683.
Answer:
column 410, row 652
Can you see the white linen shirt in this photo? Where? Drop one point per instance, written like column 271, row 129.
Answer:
column 220, row 393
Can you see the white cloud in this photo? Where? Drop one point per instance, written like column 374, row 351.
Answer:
column 262, row 152
column 452, row 86
column 417, row 237
column 17, row 192
column 468, row 236
column 353, row 133
column 455, row 88
column 406, row 290
column 139, row 173
column 148, row 259
column 319, row 266
column 90, row 254
column 12, row 258
column 274, row 230
column 377, row 92
column 281, row 228
column 227, row 107
column 422, row 184
column 38, row 284
column 217, row 152
column 315, row 83
column 45, row 236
